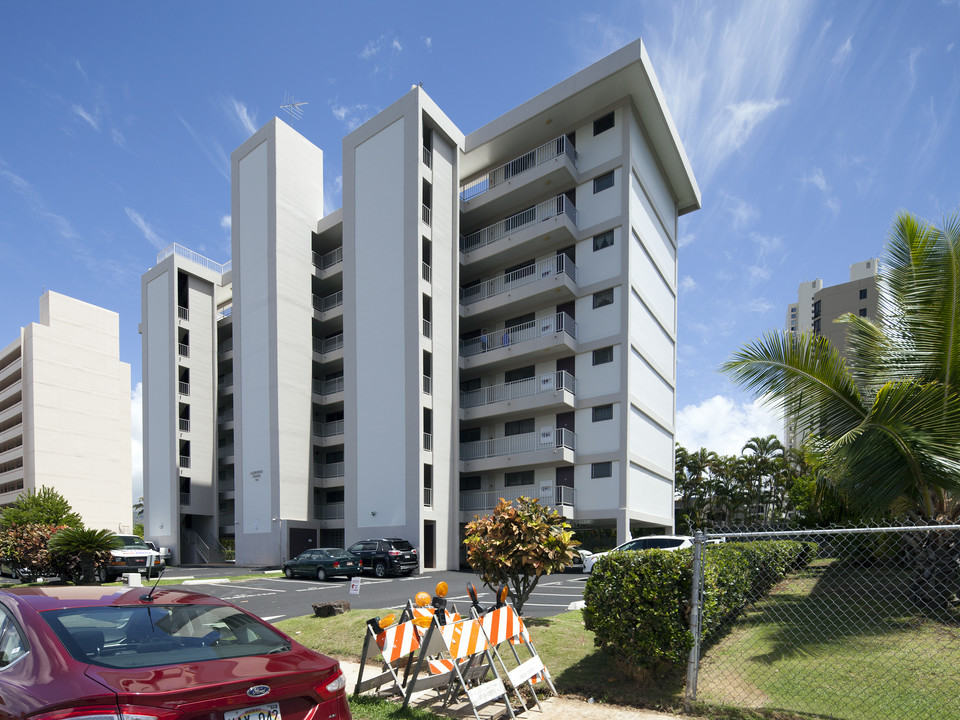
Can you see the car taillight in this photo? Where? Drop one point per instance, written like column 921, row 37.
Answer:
column 336, row 563
column 332, row 686
column 393, row 552
column 109, row 712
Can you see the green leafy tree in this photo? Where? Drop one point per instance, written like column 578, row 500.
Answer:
column 517, row 544
column 77, row 553
column 42, row 507
column 886, row 418
column 24, row 549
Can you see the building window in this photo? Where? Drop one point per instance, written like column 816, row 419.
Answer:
column 518, row 427
column 816, row 309
column 603, row 124
column 604, row 239
column 604, row 297
column 816, row 326
column 863, row 294
column 601, row 470
column 863, row 312
column 524, row 373
column 603, row 182
column 603, row 355
column 512, row 479
column 470, row 484
column 602, row 412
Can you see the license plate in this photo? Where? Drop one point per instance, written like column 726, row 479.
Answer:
column 268, row 711
column 349, row 564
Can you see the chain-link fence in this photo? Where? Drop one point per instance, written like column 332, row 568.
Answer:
column 869, row 628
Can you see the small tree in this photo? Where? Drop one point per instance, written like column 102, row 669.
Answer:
column 42, row 507
column 24, row 549
column 76, row 553
column 517, row 544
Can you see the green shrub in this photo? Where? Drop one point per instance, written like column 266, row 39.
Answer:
column 24, row 549
column 638, row 603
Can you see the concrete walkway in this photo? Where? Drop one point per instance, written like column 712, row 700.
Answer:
column 554, row 708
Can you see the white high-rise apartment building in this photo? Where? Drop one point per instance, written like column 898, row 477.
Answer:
column 488, row 315
column 65, row 412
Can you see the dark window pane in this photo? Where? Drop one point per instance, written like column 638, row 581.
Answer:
column 603, row 124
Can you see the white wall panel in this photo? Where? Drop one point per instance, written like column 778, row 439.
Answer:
column 595, row 208
column 650, row 441
column 595, row 380
column 158, row 403
column 597, row 437
column 594, row 150
column 653, row 236
column 598, row 322
column 646, row 165
column 595, row 494
column 648, row 492
column 650, row 285
column 647, row 386
column 594, row 266
column 649, row 335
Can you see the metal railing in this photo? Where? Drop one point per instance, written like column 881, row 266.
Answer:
column 328, row 511
column 427, row 158
column 328, row 259
column 428, row 497
column 225, row 313
column 183, row 350
column 426, row 214
column 426, row 328
column 184, row 461
column 328, row 429
column 427, row 385
column 328, row 387
column 184, row 498
column 328, row 344
column 425, row 271
column 183, row 388
column 489, row 180
column 331, row 301
column 428, row 441
column 514, row 444
column 225, row 346
column 554, row 207
column 534, row 272
column 330, row 470
column 184, row 425
column 183, row 313
column 554, row 495
column 225, row 416
column 196, row 258
column 225, row 381
column 517, row 334
column 547, row 383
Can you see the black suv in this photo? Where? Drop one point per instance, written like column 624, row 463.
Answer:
column 387, row 555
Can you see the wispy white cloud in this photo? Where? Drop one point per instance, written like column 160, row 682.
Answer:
column 742, row 213
column 816, row 179
column 687, row 284
column 396, row 45
column 686, row 238
column 352, row 116
column 375, row 46
column 118, row 139
column 911, row 63
column 211, row 147
column 79, row 67
column 843, row 51
column 724, row 425
column 34, row 202
column 226, row 222
column 148, row 232
column 333, row 194
column 428, row 42
column 91, row 120
column 240, row 113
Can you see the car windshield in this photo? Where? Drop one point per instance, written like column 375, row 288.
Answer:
column 132, row 541
column 148, row 635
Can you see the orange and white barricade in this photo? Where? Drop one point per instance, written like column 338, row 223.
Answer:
column 398, row 645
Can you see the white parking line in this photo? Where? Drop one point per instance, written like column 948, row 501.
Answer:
column 251, row 587
column 207, row 581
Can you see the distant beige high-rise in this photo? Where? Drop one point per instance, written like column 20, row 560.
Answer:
column 65, row 412
column 488, row 315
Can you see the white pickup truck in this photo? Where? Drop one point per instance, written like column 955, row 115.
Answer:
column 134, row 556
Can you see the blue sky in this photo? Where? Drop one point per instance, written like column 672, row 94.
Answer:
column 808, row 126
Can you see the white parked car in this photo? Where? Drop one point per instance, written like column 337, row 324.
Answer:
column 660, row 542
column 134, row 556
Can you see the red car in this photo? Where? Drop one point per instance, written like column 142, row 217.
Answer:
column 107, row 653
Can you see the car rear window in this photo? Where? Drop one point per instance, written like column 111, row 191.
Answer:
column 149, row 635
column 672, row 543
column 339, row 554
column 403, row 545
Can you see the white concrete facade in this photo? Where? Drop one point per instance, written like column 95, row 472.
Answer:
column 493, row 314
column 65, row 412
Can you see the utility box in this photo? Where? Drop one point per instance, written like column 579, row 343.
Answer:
column 132, row 579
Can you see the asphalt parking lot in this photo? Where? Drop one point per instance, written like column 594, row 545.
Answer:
column 273, row 597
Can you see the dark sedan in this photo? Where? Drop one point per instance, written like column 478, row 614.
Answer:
column 322, row 563
column 111, row 653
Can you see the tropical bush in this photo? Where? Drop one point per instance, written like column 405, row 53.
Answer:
column 77, row 553
column 23, row 548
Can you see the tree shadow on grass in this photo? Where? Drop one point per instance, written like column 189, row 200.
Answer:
column 600, row 675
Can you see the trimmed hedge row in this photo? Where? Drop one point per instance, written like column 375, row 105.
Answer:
column 638, row 603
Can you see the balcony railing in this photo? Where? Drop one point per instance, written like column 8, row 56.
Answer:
column 183, row 388
column 328, row 387
column 428, row 497
column 329, row 302
column 184, row 498
column 427, row 385
column 538, row 156
column 187, row 254
column 427, row 158
column 426, row 328
column 225, row 313
column 183, row 350
column 516, row 444
column 184, row 461
column 225, row 416
column 426, row 214
column 428, row 441
column 535, row 272
column 328, row 344
column 328, row 259
column 225, row 345
column 555, row 495
column 183, row 313
column 547, row 383
column 328, row 511
column 425, row 271
column 552, row 208
column 328, row 429
column 517, row 334
column 184, row 425
column 225, row 381
column 330, row 470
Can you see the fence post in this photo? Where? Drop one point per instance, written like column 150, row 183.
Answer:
column 693, row 660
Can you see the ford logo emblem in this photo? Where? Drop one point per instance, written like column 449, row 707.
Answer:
column 258, row 691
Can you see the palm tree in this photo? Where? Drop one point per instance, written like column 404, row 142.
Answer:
column 765, row 463
column 887, row 418
column 79, row 551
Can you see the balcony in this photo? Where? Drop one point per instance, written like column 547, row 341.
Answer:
column 550, row 446
column 549, row 335
column 328, row 346
column 560, row 497
column 327, row 261
column 426, row 214
column 548, row 282
column 329, row 430
column 553, row 164
column 325, row 388
column 184, row 461
column 325, row 306
column 425, row 271
column 183, row 313
column 549, row 225
column 520, row 396
column 427, row 158
column 184, row 498
column 183, row 350
column 184, row 425
column 183, row 388
column 428, row 497
column 225, row 346
column 428, row 442
column 426, row 328
column 328, row 511
column 427, row 385
column 328, row 470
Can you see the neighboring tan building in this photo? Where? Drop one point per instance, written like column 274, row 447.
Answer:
column 65, row 412
column 817, row 307
column 488, row 315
